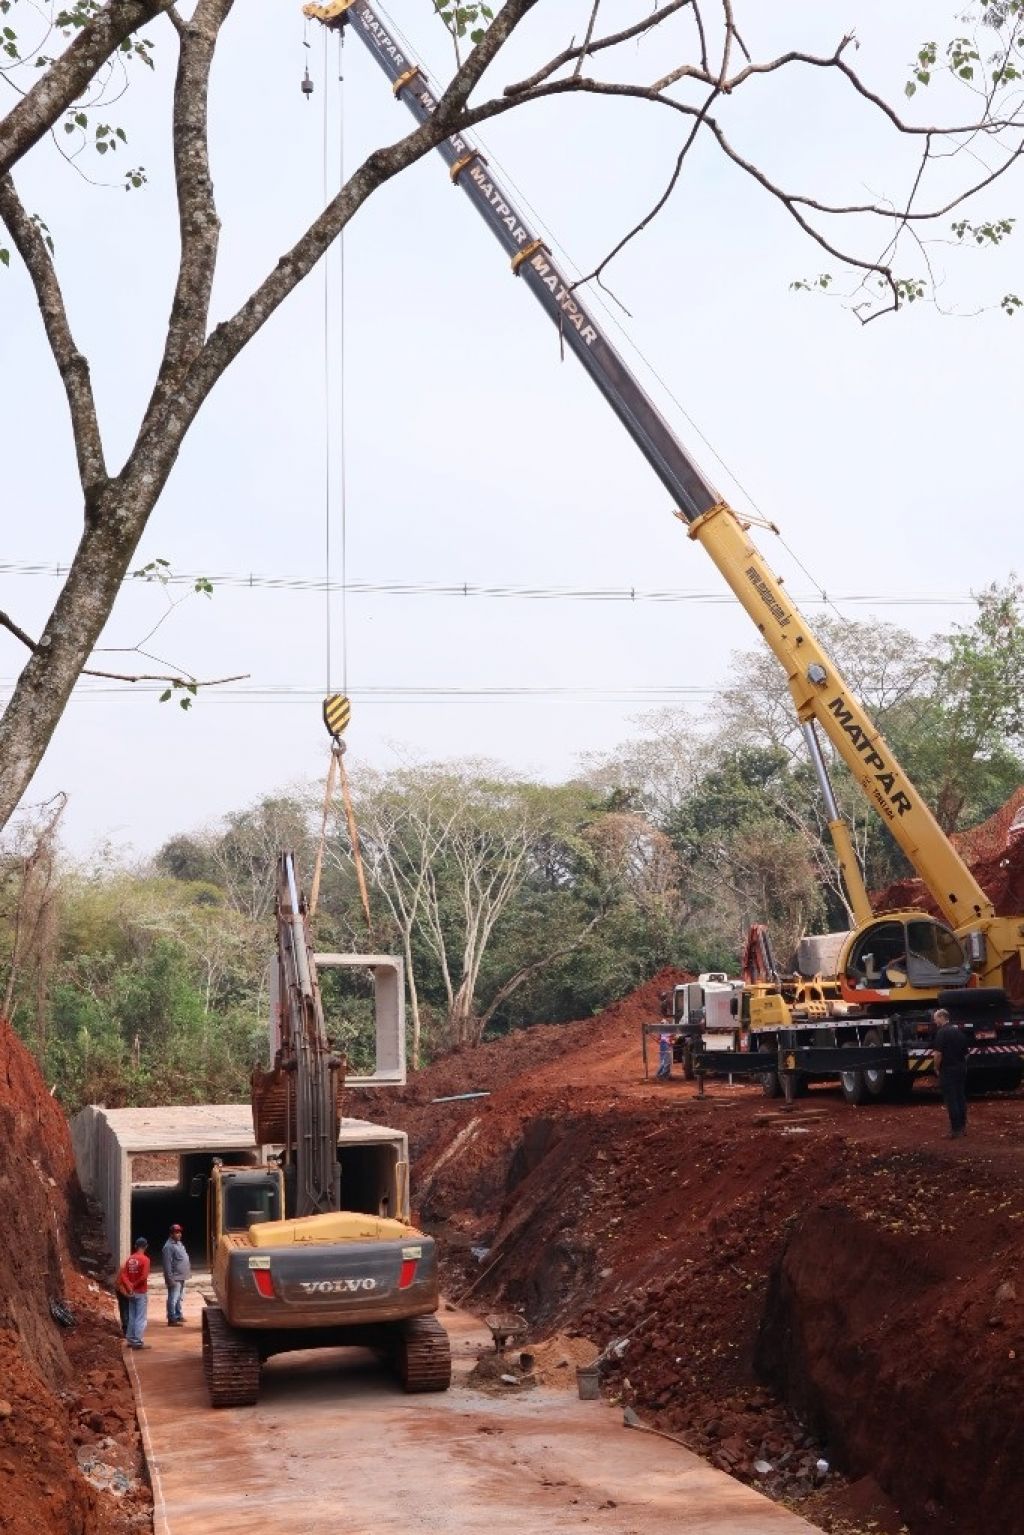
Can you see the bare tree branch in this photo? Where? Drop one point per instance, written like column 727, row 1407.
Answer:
column 524, row 87
column 198, row 222
column 71, row 363
column 591, row 24
column 7, row 622
column 176, row 679
column 649, row 217
column 64, row 81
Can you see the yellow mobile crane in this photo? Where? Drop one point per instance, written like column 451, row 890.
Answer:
column 871, row 1024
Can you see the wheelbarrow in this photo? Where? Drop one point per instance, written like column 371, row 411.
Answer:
column 506, row 1327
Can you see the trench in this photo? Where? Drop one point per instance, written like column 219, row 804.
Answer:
column 857, row 1308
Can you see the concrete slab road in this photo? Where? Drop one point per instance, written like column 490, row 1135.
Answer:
column 334, row 1448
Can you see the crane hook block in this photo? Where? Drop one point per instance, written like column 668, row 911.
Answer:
column 337, row 713
column 307, row 85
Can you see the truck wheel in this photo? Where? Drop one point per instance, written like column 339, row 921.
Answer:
column 231, row 1362
column 771, row 1087
column 854, row 1088
column 875, row 1081
column 688, row 1071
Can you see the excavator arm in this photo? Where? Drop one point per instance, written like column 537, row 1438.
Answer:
column 820, row 695
column 295, row 1104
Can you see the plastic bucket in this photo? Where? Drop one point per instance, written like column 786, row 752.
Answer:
column 587, row 1383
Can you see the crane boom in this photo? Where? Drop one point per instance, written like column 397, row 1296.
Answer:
column 819, row 693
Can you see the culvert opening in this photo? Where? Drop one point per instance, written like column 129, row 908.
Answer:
column 170, row 1188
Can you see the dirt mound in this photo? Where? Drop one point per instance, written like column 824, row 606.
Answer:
column 994, row 856
column 990, row 839
column 564, row 1062
column 67, row 1408
column 557, row 1359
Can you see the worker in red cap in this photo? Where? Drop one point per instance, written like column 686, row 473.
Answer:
column 177, row 1271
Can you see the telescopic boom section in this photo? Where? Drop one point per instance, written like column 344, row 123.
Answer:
column 818, row 690
column 306, row 1054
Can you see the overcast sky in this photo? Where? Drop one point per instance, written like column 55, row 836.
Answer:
column 474, row 455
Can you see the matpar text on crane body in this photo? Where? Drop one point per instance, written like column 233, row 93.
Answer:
column 477, row 173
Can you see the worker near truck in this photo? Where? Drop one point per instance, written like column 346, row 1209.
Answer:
column 133, row 1281
column 177, row 1271
column 950, row 1057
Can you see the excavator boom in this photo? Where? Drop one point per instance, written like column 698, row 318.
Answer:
column 295, row 1104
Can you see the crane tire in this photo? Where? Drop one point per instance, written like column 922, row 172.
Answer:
column 875, row 1080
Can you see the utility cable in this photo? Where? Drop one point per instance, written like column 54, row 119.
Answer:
column 342, row 418
column 486, row 591
column 328, row 476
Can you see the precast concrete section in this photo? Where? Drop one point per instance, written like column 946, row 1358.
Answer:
column 108, row 1144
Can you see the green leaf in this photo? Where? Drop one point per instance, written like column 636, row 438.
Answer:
column 5, row 256
column 165, row 695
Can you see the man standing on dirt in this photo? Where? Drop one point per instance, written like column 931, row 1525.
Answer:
column 950, row 1056
column 133, row 1280
column 177, row 1269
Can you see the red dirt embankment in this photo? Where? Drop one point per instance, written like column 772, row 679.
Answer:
column 844, row 1289
column 995, row 858
column 67, row 1418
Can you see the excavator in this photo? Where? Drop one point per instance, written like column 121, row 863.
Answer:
column 290, row 1268
column 869, row 1020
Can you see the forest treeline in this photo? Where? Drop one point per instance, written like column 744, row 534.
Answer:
column 511, row 901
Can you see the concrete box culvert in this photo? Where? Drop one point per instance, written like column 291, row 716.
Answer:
column 110, row 1144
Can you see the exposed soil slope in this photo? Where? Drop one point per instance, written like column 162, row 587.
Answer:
column 844, row 1289
column 69, row 1452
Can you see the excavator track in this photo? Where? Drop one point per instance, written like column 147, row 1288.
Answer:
column 422, row 1355
column 231, row 1363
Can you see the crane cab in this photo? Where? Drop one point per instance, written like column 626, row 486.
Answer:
column 902, row 957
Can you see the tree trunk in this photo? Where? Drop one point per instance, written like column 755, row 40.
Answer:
column 110, row 538
column 414, row 998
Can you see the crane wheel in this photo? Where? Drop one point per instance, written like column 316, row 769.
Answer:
column 853, row 1086
column 875, row 1081
column 771, row 1087
column 422, row 1355
column 231, row 1363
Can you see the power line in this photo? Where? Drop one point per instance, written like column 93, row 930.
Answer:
column 480, row 590
column 383, row 692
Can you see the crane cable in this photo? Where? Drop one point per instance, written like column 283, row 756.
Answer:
column 336, row 708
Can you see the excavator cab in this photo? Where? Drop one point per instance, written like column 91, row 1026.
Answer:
column 239, row 1197
column 904, row 956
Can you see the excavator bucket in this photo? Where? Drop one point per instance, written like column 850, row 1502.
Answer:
column 273, row 1115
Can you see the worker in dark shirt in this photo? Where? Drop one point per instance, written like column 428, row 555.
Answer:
column 950, row 1055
